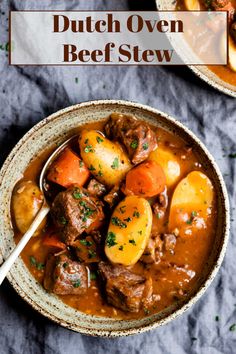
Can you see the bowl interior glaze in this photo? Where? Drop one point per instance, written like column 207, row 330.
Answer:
column 56, row 129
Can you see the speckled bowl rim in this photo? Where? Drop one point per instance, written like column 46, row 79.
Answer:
column 197, row 69
column 212, row 273
column 204, row 77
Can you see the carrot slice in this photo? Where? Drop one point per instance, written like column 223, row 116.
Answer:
column 68, row 169
column 53, row 240
column 146, row 180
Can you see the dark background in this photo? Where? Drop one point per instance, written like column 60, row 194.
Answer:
column 28, row 94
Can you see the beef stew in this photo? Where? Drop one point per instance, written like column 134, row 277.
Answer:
column 116, row 249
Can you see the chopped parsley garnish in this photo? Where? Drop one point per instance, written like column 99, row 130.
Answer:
column 40, row 266
column 232, row 156
column 62, row 220
column 193, row 214
column 140, row 232
column 77, row 194
column 146, row 311
column 133, row 242
column 87, row 210
column 122, row 209
column 111, row 239
column 32, row 260
column 81, row 163
column 88, row 148
column 117, row 222
column 208, row 4
column 77, row 283
column 136, row 214
column 128, row 219
column 93, row 275
column 36, row 264
column 158, row 215
column 65, row 265
column 86, row 243
column 86, row 141
column 99, row 140
column 232, row 328
column 121, row 248
column 100, row 173
column 134, row 144
column 87, row 214
column 115, row 163
column 92, row 168
column 91, row 254
column 145, row 146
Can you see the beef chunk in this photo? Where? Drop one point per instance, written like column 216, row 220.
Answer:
column 96, row 188
column 113, row 197
column 137, row 137
column 64, row 276
column 157, row 246
column 161, row 204
column 86, row 250
column 224, row 5
column 74, row 211
column 233, row 31
column 169, row 242
column 153, row 250
column 97, row 237
column 162, row 199
column 219, row 3
column 124, row 289
column 148, row 297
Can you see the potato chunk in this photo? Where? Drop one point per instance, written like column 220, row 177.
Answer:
column 191, row 204
column 27, row 199
column 129, row 231
column 169, row 162
column 106, row 160
column 192, row 5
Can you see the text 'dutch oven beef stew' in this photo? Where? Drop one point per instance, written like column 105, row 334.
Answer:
column 131, row 223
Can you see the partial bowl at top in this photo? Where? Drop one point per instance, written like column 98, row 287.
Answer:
column 56, row 129
column 202, row 71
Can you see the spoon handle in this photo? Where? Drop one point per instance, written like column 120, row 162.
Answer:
column 4, row 269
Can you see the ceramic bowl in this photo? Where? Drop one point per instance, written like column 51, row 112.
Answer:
column 203, row 72
column 56, row 128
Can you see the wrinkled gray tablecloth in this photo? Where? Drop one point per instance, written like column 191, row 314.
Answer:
column 28, row 94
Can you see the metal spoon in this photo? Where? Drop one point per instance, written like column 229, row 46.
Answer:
column 4, row 269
